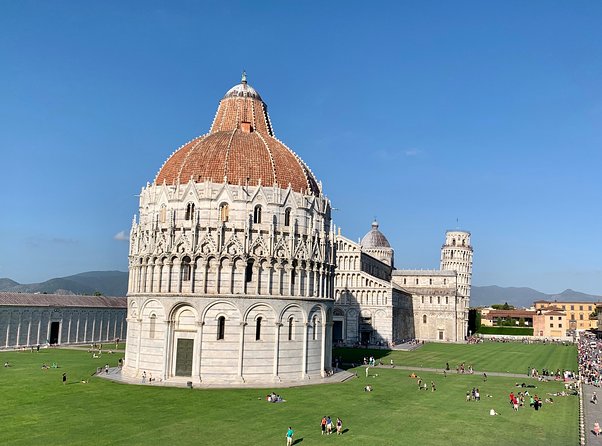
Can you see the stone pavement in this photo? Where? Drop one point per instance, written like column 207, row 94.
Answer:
column 592, row 413
column 115, row 375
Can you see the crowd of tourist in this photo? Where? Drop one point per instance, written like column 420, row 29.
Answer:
column 590, row 360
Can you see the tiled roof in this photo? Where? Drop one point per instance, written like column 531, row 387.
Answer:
column 240, row 149
column 59, row 300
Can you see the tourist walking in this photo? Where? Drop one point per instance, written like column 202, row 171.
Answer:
column 596, row 429
column 323, row 424
column 64, row 378
column 289, row 436
column 340, row 426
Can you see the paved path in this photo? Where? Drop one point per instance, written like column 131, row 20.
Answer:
column 116, row 375
column 451, row 372
column 593, row 413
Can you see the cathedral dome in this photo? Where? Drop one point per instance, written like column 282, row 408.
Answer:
column 239, row 149
column 374, row 238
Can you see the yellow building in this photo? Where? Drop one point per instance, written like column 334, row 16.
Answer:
column 577, row 313
column 550, row 323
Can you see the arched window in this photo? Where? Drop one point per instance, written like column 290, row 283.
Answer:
column 249, row 271
column 257, row 214
column 315, row 324
column 186, row 269
column 224, row 212
column 430, row 299
column 152, row 326
column 439, row 299
column 422, row 299
column 221, row 327
column 416, row 281
column 430, row 281
column 258, row 329
column 189, row 211
column 287, row 218
column 454, row 242
column 424, row 319
column 405, row 281
column 444, row 281
column 290, row 328
column 446, row 300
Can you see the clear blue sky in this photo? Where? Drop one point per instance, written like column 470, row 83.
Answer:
column 419, row 113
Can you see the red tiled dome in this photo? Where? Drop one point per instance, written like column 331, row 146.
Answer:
column 240, row 149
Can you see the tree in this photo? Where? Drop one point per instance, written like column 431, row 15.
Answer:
column 505, row 306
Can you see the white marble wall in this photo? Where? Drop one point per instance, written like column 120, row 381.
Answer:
column 30, row 326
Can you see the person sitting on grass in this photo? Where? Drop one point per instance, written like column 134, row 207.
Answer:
column 368, row 389
column 6, row 364
column 492, row 412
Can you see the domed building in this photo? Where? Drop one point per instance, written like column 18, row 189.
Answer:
column 377, row 304
column 232, row 259
column 376, row 244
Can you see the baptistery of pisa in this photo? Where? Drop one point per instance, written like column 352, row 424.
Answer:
column 232, row 259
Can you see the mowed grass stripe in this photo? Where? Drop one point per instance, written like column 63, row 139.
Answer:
column 486, row 357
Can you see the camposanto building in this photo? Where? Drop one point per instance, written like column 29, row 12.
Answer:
column 232, row 259
column 28, row 319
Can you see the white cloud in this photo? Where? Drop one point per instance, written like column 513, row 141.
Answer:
column 121, row 235
column 412, row 152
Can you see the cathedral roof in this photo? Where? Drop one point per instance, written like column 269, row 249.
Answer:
column 239, row 149
column 374, row 238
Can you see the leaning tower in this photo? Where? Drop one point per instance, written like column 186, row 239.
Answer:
column 456, row 255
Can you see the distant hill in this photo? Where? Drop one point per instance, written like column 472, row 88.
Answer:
column 522, row 297
column 108, row 283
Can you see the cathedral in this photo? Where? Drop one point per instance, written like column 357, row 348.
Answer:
column 236, row 274
column 376, row 304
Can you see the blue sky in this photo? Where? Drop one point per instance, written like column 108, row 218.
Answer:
column 425, row 115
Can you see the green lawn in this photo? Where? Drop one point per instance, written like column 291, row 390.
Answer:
column 488, row 357
column 37, row 409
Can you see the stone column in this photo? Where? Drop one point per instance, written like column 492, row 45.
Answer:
column 241, row 350
column 271, row 277
column 139, row 320
column 192, row 275
column 278, row 284
column 18, row 330
column 93, row 328
column 308, row 280
column 69, row 328
column 143, row 272
column 167, row 340
column 276, row 350
column 77, row 327
column 320, row 282
column 198, row 341
column 8, row 328
column 100, row 327
column 299, row 280
column 323, row 348
column 305, row 326
column 29, row 329
column 39, row 328
column 256, row 274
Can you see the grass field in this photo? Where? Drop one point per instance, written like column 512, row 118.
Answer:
column 511, row 357
column 37, row 409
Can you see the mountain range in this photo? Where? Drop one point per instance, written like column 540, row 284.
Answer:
column 115, row 283
column 107, row 283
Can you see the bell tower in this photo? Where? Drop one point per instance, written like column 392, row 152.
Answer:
column 456, row 255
